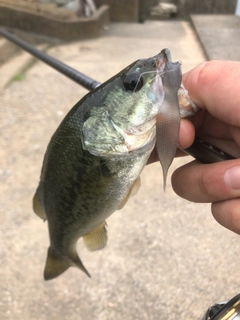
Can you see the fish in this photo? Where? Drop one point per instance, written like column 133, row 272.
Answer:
column 94, row 159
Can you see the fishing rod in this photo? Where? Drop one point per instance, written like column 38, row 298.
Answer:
column 82, row 79
column 200, row 150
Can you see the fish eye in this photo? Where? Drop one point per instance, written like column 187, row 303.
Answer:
column 133, row 81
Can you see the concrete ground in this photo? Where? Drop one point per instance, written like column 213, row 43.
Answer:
column 166, row 258
column 219, row 35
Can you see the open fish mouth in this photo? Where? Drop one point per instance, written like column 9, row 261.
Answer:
column 186, row 105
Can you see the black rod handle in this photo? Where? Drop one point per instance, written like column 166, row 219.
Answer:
column 206, row 152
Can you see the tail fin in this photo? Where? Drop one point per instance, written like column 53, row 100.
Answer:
column 56, row 264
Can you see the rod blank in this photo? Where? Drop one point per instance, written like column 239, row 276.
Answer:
column 71, row 73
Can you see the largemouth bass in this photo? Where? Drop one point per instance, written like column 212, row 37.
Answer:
column 94, row 159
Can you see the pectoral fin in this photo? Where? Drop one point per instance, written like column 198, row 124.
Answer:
column 96, row 239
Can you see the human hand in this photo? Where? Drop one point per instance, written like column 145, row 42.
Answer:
column 214, row 87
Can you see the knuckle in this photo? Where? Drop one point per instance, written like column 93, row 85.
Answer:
column 203, row 73
column 234, row 216
column 205, row 186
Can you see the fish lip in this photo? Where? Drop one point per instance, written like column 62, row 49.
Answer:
column 137, row 130
column 142, row 128
column 145, row 148
column 146, row 132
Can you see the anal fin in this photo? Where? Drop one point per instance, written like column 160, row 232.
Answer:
column 97, row 238
column 37, row 207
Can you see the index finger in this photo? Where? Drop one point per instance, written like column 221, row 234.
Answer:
column 214, row 86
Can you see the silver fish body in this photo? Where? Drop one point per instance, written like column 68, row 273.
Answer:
column 94, row 159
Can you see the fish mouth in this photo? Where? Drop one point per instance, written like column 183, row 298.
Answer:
column 138, row 136
column 161, row 60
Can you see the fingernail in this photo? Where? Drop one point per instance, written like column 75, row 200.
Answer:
column 232, row 177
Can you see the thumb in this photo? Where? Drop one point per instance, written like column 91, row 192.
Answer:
column 227, row 213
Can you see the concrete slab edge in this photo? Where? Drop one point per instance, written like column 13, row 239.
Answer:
column 80, row 28
column 198, row 37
